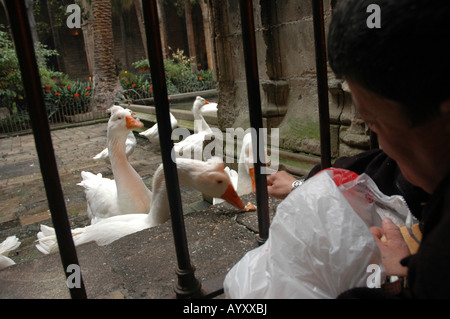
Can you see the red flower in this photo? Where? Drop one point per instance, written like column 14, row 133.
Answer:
column 88, row 88
column 76, row 95
column 68, row 87
column 87, row 93
column 57, row 93
column 133, row 85
column 127, row 83
column 200, row 78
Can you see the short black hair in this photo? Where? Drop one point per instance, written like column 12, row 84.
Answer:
column 406, row 60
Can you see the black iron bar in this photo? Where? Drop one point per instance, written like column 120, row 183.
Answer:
column 41, row 129
column 254, row 105
column 187, row 286
column 322, row 83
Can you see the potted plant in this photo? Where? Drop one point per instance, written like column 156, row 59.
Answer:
column 142, row 65
column 46, row 79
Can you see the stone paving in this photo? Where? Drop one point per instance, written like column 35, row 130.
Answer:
column 141, row 265
column 22, row 194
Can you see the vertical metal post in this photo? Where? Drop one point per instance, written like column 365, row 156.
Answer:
column 322, row 83
column 187, row 285
column 41, row 130
column 254, row 105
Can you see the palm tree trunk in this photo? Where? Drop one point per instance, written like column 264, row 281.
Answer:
column 106, row 84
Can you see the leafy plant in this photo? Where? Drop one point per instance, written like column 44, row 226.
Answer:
column 11, row 87
column 142, row 65
column 179, row 78
column 72, row 97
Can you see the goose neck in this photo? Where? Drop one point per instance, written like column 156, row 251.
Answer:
column 160, row 209
column 200, row 123
column 117, row 148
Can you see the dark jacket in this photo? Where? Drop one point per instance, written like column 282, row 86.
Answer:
column 428, row 269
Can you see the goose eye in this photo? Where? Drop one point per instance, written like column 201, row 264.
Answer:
column 219, row 181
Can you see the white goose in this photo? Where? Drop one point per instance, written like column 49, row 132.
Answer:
column 246, row 171
column 193, row 144
column 152, row 134
column 130, row 142
column 210, row 109
column 8, row 245
column 127, row 193
column 198, row 109
column 208, row 177
column 244, row 179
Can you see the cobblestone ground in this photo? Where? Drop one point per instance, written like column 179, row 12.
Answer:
column 22, row 195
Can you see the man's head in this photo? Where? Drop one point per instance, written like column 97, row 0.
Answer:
column 406, row 60
column 399, row 75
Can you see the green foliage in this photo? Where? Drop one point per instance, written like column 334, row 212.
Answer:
column 131, row 81
column 179, row 78
column 62, row 95
column 142, row 65
column 11, row 87
column 72, row 91
column 68, row 98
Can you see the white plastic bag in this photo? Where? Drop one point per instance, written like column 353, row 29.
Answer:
column 318, row 245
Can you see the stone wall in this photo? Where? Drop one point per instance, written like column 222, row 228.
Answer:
column 286, row 59
column 74, row 59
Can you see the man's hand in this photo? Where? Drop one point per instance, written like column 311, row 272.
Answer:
column 393, row 247
column 279, row 184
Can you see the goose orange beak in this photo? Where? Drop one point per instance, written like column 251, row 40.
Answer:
column 251, row 172
column 133, row 123
column 232, row 197
column 206, row 102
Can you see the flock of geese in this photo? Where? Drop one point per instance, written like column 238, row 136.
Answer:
column 124, row 205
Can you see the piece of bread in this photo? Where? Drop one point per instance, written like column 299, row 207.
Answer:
column 250, row 207
column 413, row 245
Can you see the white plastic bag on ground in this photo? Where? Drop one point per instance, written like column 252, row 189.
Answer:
column 318, row 245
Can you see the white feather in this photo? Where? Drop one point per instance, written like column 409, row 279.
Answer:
column 127, row 193
column 208, row 177
column 9, row 244
column 129, row 149
column 192, row 146
column 152, row 134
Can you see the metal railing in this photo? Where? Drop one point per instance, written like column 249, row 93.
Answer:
column 59, row 114
column 39, row 121
column 187, row 285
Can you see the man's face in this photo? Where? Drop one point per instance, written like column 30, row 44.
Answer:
column 406, row 145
